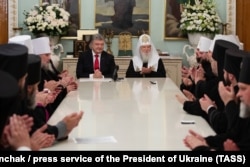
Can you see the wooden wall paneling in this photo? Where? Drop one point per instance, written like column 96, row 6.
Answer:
column 243, row 23
column 3, row 21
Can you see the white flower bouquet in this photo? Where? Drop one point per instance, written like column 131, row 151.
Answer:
column 200, row 17
column 49, row 19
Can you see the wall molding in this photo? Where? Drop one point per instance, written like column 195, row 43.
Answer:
column 231, row 17
column 13, row 16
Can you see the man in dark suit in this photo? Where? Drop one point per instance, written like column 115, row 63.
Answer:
column 95, row 63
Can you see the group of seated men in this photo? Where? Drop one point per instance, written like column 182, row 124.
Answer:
column 145, row 62
column 33, row 88
column 30, row 93
column 218, row 90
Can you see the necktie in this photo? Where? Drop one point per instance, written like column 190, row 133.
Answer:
column 96, row 64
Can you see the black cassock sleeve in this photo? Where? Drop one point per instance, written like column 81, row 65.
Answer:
column 217, row 120
column 39, row 118
column 194, row 108
column 131, row 73
column 160, row 73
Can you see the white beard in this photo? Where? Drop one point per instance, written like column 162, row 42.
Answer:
column 45, row 66
column 244, row 111
column 145, row 57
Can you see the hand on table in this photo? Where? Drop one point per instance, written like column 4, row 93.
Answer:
column 194, row 140
column 97, row 74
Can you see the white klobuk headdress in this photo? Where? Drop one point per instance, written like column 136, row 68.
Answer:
column 23, row 40
column 145, row 39
column 204, row 44
column 41, row 45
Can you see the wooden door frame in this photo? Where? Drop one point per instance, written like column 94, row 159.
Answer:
column 242, row 18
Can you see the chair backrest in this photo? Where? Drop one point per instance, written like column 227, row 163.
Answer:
column 125, row 44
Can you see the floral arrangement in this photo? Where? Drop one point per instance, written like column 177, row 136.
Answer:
column 201, row 16
column 49, row 19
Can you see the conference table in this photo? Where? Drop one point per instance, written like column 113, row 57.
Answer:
column 130, row 114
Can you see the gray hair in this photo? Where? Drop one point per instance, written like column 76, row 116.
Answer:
column 97, row 37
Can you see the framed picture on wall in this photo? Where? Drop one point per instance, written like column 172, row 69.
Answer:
column 122, row 15
column 172, row 19
column 79, row 46
column 73, row 7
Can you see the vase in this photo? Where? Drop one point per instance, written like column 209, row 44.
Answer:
column 17, row 30
column 41, row 35
column 189, row 53
column 195, row 37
